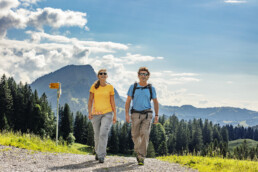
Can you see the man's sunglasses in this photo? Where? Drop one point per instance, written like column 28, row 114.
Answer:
column 144, row 74
column 102, row 73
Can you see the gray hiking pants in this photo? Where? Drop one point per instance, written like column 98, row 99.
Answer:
column 101, row 126
column 141, row 125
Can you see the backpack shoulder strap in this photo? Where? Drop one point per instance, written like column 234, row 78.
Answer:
column 134, row 88
column 150, row 88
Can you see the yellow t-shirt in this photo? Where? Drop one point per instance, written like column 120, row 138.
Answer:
column 102, row 104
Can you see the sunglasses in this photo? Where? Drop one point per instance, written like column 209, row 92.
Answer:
column 102, row 73
column 144, row 74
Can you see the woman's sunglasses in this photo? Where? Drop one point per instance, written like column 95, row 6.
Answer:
column 102, row 73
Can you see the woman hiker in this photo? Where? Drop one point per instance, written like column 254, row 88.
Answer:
column 101, row 114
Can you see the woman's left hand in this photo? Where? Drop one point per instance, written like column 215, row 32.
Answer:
column 114, row 119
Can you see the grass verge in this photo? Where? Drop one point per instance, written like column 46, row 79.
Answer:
column 35, row 143
column 211, row 164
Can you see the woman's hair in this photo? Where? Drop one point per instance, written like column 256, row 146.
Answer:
column 97, row 83
column 143, row 69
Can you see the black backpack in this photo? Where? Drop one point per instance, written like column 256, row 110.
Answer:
column 146, row 87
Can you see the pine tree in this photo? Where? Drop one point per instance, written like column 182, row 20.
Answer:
column 66, row 122
column 216, row 134
column 113, row 141
column 90, row 134
column 130, row 140
column 154, row 136
column 173, row 124
column 256, row 135
column 4, row 123
column 244, row 148
column 6, row 103
column 160, row 137
column 163, row 150
column 197, row 140
column 19, row 110
column 123, row 139
column 151, row 151
column 207, row 133
column 85, row 126
column 181, row 138
column 162, row 119
column 224, row 134
column 47, row 117
column 171, row 143
column 78, row 127
column 13, row 88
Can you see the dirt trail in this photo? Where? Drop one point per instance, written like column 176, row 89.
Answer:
column 15, row 159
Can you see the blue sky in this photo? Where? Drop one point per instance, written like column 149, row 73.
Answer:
column 202, row 52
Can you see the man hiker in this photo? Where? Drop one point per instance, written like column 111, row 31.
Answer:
column 141, row 114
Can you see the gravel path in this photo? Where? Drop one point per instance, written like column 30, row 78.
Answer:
column 15, row 159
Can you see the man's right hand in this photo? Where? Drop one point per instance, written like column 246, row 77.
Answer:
column 127, row 118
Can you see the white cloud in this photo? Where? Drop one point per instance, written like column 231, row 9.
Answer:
column 28, row 58
column 160, row 58
column 235, row 1
column 135, row 58
column 21, row 18
column 6, row 5
column 27, row 3
column 55, row 18
column 93, row 46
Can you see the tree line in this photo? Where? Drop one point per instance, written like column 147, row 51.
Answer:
column 240, row 132
column 21, row 109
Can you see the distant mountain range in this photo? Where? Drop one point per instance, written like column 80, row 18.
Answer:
column 76, row 81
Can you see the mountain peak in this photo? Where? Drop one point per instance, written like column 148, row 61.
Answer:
column 69, row 71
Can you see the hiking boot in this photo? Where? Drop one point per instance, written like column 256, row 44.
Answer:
column 101, row 160
column 96, row 157
column 140, row 161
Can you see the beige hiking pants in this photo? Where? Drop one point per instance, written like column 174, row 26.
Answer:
column 140, row 132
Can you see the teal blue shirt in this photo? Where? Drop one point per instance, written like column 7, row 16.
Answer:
column 141, row 100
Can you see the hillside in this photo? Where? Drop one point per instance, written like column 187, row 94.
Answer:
column 236, row 143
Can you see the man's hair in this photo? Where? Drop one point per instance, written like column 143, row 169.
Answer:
column 143, row 69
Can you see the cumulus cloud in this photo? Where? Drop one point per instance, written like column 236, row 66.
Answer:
column 10, row 17
column 6, row 5
column 27, row 57
column 54, row 17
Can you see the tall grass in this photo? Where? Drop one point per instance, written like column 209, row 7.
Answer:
column 211, row 164
column 35, row 143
